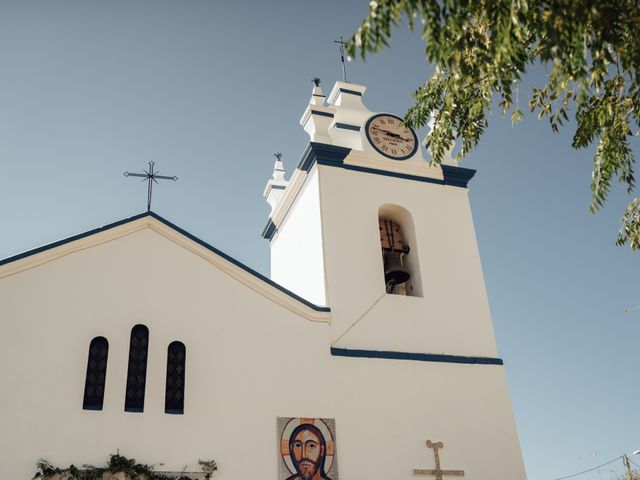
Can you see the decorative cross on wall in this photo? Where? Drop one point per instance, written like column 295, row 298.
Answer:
column 150, row 176
column 438, row 472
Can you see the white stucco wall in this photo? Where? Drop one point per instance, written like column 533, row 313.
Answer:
column 453, row 314
column 249, row 360
column 297, row 258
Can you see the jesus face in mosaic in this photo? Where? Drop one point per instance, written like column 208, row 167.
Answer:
column 308, row 450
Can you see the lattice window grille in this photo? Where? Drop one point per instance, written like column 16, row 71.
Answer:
column 174, row 394
column 137, row 370
column 96, row 374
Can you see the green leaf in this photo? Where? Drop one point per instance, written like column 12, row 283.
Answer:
column 516, row 116
column 482, row 50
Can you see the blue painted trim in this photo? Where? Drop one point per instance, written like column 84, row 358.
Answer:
column 71, row 239
column 322, row 114
column 316, row 152
column 346, row 126
column 269, row 230
column 241, row 265
column 191, row 237
column 333, row 156
column 350, row 92
column 420, row 357
column 415, row 137
column 457, row 176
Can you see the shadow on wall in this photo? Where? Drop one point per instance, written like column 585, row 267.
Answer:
column 399, row 251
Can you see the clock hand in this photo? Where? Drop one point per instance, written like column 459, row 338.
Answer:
column 391, row 134
column 394, row 135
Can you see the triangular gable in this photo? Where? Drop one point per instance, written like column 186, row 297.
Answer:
column 246, row 275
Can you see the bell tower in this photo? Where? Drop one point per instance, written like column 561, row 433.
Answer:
column 368, row 227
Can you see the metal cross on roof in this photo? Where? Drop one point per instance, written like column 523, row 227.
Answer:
column 150, row 176
column 438, row 472
column 342, row 44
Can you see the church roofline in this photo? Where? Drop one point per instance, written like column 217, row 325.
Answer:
column 334, row 156
column 64, row 241
column 175, row 228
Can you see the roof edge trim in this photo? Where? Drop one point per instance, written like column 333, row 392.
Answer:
column 177, row 229
column 73, row 238
column 239, row 264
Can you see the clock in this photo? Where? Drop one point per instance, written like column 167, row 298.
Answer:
column 390, row 137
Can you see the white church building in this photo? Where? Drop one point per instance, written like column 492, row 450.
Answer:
column 369, row 353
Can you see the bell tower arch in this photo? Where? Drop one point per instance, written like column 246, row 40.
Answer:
column 399, row 251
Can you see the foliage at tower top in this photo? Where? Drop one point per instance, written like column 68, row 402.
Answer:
column 482, row 48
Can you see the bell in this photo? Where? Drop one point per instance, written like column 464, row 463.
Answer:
column 394, row 271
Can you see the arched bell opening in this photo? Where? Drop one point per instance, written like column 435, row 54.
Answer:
column 399, row 251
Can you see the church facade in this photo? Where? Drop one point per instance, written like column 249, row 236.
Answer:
column 368, row 353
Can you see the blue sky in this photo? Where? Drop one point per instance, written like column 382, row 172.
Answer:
column 210, row 90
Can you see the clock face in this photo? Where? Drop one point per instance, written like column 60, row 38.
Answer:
column 390, row 137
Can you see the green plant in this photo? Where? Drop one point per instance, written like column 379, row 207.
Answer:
column 482, row 48
column 117, row 464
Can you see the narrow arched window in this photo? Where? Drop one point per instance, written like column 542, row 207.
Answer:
column 174, row 394
column 137, row 371
column 399, row 251
column 96, row 374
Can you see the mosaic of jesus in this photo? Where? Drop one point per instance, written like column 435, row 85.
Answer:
column 307, row 449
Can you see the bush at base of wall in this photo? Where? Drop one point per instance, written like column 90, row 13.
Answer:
column 119, row 468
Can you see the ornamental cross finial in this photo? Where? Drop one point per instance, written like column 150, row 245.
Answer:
column 341, row 45
column 438, row 472
column 150, row 176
